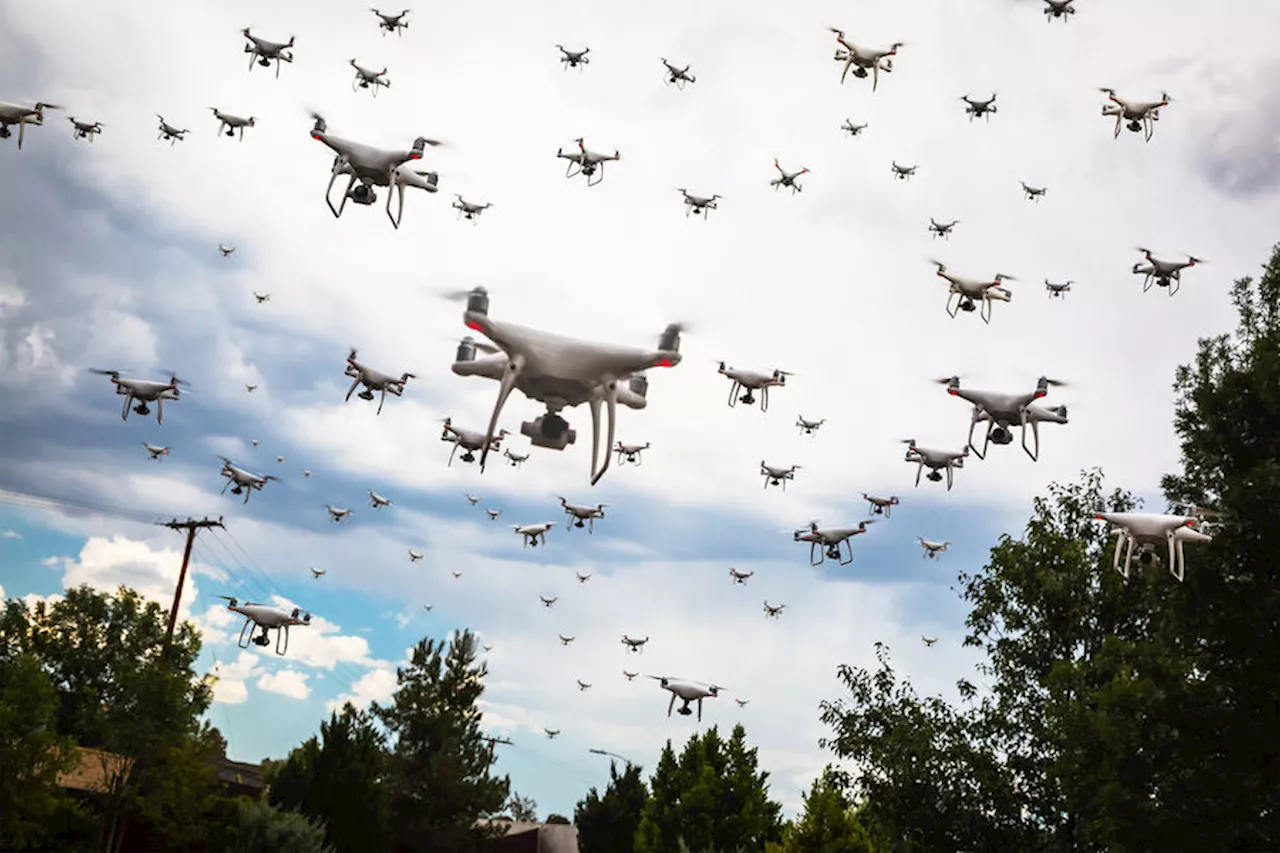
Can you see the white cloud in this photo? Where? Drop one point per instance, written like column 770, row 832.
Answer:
column 286, row 682
column 10, row 534
column 376, row 685
column 229, row 679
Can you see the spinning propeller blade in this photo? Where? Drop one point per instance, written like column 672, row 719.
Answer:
column 115, row 373
column 461, row 295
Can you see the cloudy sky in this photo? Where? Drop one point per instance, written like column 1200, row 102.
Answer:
column 108, row 259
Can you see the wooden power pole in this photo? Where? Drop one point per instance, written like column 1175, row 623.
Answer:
column 191, row 526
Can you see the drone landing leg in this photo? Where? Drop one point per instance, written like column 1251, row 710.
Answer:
column 393, row 184
column 953, row 304
column 973, row 422
column 282, row 636
column 919, row 471
column 950, row 476
column 764, row 405
column 846, row 546
column 128, row 401
column 508, row 384
column 611, row 409
column 352, row 389
column 699, row 709
column 813, row 549
column 248, row 491
column 1182, row 559
column 733, row 393
column 1035, row 434
column 337, row 212
column 253, row 57
column 160, row 410
column 671, row 705
column 242, row 642
column 381, row 400
column 1175, row 282
column 985, row 313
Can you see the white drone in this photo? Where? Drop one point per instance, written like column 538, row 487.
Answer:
column 928, row 641
column 367, row 78
column 265, row 52
column 143, row 391
column 487, row 647
column 456, row 575
column 588, row 163
column 1166, row 274
column 414, row 556
column 391, row 23
column 739, row 577
column 582, row 516
column 227, row 251
column 547, row 602
column 680, row 77
column 751, row 381
column 261, row 297
column 156, row 451
column 515, row 460
column 1139, row 115
column 169, row 133
column 942, row 229
column 1058, row 9
column 903, row 173
column 472, row 499
column 318, row 573
column 337, row 515
column 532, row 533
column 280, row 459
column 373, row 167
column 493, row 514
column 964, row 292
column 266, row 617
column 428, row 607
column 861, row 60
column 686, row 692
column 551, row 733
column 84, row 129
column 853, row 129
column 1002, row 410
column 931, row 548
column 564, row 641
column 232, row 123
column 242, row 481
column 574, row 58
column 306, row 472
column 469, row 209
column 377, row 501
column 787, row 179
column 372, row 380
column 634, row 645
column 881, row 506
column 1146, row 531
column 560, row 372
column 935, row 460
column 631, row 676
column 980, row 109
column 695, row 204
column 1057, row 291
column 583, row 686
column 773, row 611
column 11, row 114
column 775, row 476
column 630, row 452
column 830, row 542
column 808, row 427
column 1033, row 193
column 469, row 441
column 582, row 578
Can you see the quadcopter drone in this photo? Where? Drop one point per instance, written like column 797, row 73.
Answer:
column 574, row 59
column 830, row 542
column 787, row 179
column 487, row 647
column 964, row 291
column 250, row 388
column 1002, row 410
column 808, row 427
column 533, row 532
column 261, row 297
column 582, row 578
column 928, row 641
column 11, row 114
column 980, row 109
column 582, row 516
column 456, row 575
column 84, row 129
column 373, row 167
column 318, row 573
column 686, row 692
column 1145, row 531
column 903, row 173
column 428, row 607
column 1056, row 291
column 241, row 481
column 306, row 472
column 414, row 556
column 391, row 23
column 170, row 133
column 551, row 733
column 861, row 59
column 695, row 204
column 583, row 686
column 281, row 459
column 742, row 703
column 1033, row 193
column 853, row 129
column 469, row 209
column 773, row 611
column 740, row 577
column 881, row 506
column 266, row 617
column 472, row 499
column 942, row 229
column 1163, row 273
column 1138, row 116
column 630, row 452
column 377, row 501
column 265, row 52
column 634, row 645
column 751, row 381
column 631, row 676
column 564, row 641
column 143, row 391
column 368, row 79
column 227, row 251
column 1058, row 9
column 156, row 451
column 515, row 460
column 932, row 549
column 232, row 123
column 588, row 163
column 547, row 602
column 777, row 476
column 372, row 380
column 935, row 460
column 469, row 441
column 679, row 76
column 493, row 514
column 560, row 372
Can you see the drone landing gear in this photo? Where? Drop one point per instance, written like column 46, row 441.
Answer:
column 231, row 132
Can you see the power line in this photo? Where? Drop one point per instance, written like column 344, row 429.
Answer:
column 191, row 526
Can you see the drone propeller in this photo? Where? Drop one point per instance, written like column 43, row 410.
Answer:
column 1054, row 383
column 1196, row 260
column 115, row 374
column 174, row 380
column 462, row 295
column 231, row 599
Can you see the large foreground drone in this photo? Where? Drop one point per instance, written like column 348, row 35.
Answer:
column 241, row 481
column 266, row 52
column 787, row 179
column 964, row 292
column 630, row 453
column 980, row 109
column 1145, row 531
column 694, row 204
column 936, row 461
column 861, row 59
column 776, row 476
column 143, row 391
column 266, row 617
column 373, row 167
column 1140, row 116
column 751, row 381
column 830, row 542
column 84, row 129
column 469, row 440
column 372, row 380
column 588, row 163
column 581, row 515
column 1002, row 410
column 11, row 114
column 560, row 372
column 231, row 123
column 169, row 133
column 686, row 692
column 391, row 23
column 368, row 79
column 678, row 76
column 1166, row 274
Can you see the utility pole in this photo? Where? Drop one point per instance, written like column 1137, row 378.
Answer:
column 191, row 526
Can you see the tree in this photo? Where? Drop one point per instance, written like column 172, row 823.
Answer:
column 438, row 772
column 830, row 822
column 338, row 778
column 607, row 823
column 521, row 809
column 556, row 819
column 263, row 826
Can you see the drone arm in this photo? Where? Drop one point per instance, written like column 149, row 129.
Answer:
column 506, row 386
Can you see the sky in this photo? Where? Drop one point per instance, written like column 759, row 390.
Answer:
column 108, row 259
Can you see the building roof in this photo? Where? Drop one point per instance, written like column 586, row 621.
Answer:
column 545, row 838
column 94, row 771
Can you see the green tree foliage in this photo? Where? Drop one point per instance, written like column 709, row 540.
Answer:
column 713, row 798
column 262, row 826
column 554, row 819
column 830, row 821
column 607, row 823
column 337, row 778
column 521, row 809
column 438, row 781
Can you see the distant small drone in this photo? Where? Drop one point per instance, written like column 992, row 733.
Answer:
column 1033, row 193
column 942, row 229
column 742, row 703
column 1145, row 531
column 242, row 481
column 631, row 676
column 1057, row 291
column 740, row 577
column 879, row 505
column 469, row 441
column 377, row 501
column 680, row 77
column 581, row 515
column 547, row 602
column 1166, row 274
column 261, row 297
column 751, row 381
column 156, row 451
column 143, row 391
column 250, row 388
column 630, row 452
column 372, row 380
column 414, row 556
column 11, row 114
column 231, row 123
column 281, row 459
column 266, row 617
column 469, row 209
column 830, row 542
column 456, row 575
column 564, row 641
column 980, row 109
column 686, row 692
column 928, row 641
column 487, row 647
column 1139, row 115
column 337, row 515
column 588, row 163
column 964, row 292
column 787, row 179
column 255, row 442
column 532, row 533
column 634, row 645
column 936, row 461
column 583, row 686
column 551, row 733
column 472, row 499
column 318, row 573
column 695, row 204
column 493, row 514
column 515, row 460
column 773, row 611
column 1002, row 410
column 84, row 129
column 582, row 578
column 266, row 52
column 574, row 58
column 931, row 548
column 903, row 173
column 775, row 476
column 808, row 427
column 1058, row 9
column 428, row 607
column 306, row 472
column 227, row 251
column 169, row 133
column 853, row 129
column 368, row 79
column 861, row 60
column 391, row 23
